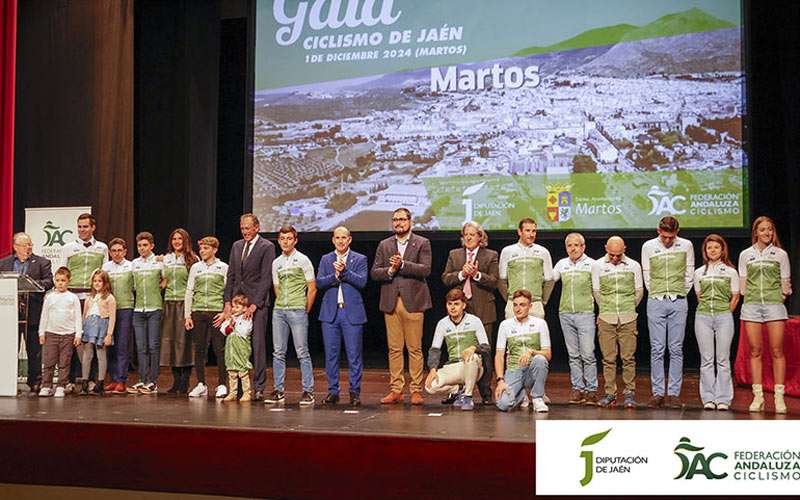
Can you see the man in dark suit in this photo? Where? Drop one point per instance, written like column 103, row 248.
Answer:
column 402, row 262
column 474, row 269
column 341, row 276
column 23, row 261
column 250, row 273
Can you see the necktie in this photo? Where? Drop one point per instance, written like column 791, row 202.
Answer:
column 87, row 244
column 468, row 281
column 246, row 252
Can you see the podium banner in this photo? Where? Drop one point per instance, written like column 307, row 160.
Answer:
column 51, row 228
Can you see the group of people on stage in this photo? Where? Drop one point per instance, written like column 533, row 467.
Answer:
column 179, row 303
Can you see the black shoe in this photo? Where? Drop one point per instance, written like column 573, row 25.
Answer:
column 487, row 401
column 258, row 396
column 331, row 399
column 275, row 398
column 172, row 390
column 98, row 390
column 34, row 390
column 84, row 388
column 355, row 400
column 307, row 399
column 450, row 399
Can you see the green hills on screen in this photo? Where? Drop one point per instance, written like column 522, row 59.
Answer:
column 690, row 21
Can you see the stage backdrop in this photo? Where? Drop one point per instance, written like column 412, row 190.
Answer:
column 579, row 113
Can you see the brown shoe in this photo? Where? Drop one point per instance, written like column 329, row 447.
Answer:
column 392, row 398
column 656, row 402
column 592, row 398
column 416, row 398
column 673, row 402
column 576, row 397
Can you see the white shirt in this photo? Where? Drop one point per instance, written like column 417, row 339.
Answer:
column 249, row 249
column 341, row 258
column 61, row 314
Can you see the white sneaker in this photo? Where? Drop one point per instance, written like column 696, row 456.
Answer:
column 199, row 391
column 539, row 406
column 70, row 388
column 525, row 402
column 222, row 391
column 59, row 392
column 722, row 407
column 134, row 389
column 45, row 392
column 709, row 406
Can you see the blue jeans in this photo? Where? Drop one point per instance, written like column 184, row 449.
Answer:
column 118, row 353
column 715, row 388
column 294, row 321
column 666, row 320
column 579, row 330
column 147, row 330
column 333, row 333
column 519, row 381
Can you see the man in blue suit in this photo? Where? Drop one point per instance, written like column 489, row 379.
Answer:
column 341, row 276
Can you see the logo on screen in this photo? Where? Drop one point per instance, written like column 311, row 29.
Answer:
column 467, row 202
column 54, row 235
column 664, row 202
column 559, row 203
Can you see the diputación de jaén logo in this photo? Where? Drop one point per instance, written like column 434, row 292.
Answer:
column 588, row 455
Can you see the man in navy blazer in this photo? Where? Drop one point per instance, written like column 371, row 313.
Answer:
column 38, row 268
column 341, row 276
column 250, row 273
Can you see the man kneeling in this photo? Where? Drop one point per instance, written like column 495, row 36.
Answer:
column 466, row 343
column 528, row 344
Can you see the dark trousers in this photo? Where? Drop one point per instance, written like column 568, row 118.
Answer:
column 484, row 383
column 57, row 352
column 204, row 333
column 34, row 351
column 259, row 342
column 119, row 353
column 333, row 333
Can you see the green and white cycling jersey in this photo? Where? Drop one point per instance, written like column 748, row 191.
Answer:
column 292, row 273
column 205, row 287
column 176, row 275
column 517, row 338
column 668, row 272
column 715, row 286
column 763, row 271
column 576, row 287
column 617, row 285
column 82, row 260
column 121, row 276
column 458, row 337
column 526, row 268
column 147, row 284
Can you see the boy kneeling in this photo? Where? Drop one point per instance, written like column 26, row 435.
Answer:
column 466, row 343
column 527, row 340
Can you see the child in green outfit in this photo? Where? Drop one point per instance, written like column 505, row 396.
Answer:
column 237, row 349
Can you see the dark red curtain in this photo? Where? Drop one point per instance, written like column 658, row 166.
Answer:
column 8, row 52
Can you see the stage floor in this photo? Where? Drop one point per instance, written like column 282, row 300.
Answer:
column 431, row 421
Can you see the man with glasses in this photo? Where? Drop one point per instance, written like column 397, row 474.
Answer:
column 23, row 261
column 617, row 287
column 402, row 262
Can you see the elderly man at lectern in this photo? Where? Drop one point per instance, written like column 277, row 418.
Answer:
column 23, row 261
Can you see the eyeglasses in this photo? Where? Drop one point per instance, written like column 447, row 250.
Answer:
column 399, row 219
